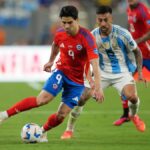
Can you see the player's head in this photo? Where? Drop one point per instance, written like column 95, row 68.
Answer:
column 69, row 19
column 104, row 19
column 133, row 3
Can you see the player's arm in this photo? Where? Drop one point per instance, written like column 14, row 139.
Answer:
column 54, row 53
column 132, row 46
column 89, row 75
column 144, row 38
column 139, row 62
column 98, row 93
column 93, row 57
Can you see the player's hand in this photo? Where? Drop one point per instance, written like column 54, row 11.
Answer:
column 92, row 85
column 98, row 95
column 142, row 79
column 48, row 66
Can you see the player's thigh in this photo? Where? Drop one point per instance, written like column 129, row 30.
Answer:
column 86, row 95
column 44, row 97
column 71, row 93
column 54, row 83
column 129, row 91
column 63, row 110
column 106, row 79
column 124, row 82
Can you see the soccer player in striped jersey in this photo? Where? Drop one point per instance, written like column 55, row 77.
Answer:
column 139, row 26
column 77, row 47
column 119, row 58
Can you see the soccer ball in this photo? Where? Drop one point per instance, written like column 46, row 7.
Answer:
column 31, row 133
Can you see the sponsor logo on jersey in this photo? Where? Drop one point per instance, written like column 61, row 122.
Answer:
column 62, row 45
column 79, row 47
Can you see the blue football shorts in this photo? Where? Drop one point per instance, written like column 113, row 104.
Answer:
column 71, row 91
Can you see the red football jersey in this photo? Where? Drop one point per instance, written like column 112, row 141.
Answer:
column 139, row 24
column 75, row 52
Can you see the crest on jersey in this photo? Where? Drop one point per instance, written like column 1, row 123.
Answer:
column 79, row 47
column 55, row 86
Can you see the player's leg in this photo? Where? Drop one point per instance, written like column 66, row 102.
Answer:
column 124, row 118
column 26, row 104
column 75, row 113
column 54, row 120
column 68, row 133
column 45, row 96
column 70, row 97
column 130, row 92
column 57, row 118
column 125, row 85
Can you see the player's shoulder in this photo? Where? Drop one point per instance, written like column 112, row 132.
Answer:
column 87, row 36
column 60, row 31
column 85, row 32
column 95, row 31
column 142, row 8
column 120, row 30
column 142, row 5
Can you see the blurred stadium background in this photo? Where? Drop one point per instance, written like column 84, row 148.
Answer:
column 33, row 22
column 26, row 32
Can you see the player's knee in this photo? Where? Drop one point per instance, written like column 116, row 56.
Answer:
column 42, row 101
column 61, row 116
column 132, row 98
column 83, row 100
column 75, row 114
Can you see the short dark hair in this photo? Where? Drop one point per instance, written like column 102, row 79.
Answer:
column 69, row 11
column 103, row 9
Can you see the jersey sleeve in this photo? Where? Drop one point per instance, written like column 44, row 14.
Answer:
column 91, row 47
column 129, row 41
column 144, row 15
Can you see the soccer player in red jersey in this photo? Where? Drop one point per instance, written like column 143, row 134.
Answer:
column 139, row 26
column 77, row 46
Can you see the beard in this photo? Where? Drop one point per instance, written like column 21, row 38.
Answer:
column 104, row 30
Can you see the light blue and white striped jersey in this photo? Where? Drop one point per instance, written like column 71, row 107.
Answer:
column 116, row 50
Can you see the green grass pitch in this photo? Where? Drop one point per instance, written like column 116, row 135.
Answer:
column 94, row 129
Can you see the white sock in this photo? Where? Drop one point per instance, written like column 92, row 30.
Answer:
column 133, row 108
column 3, row 115
column 75, row 113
